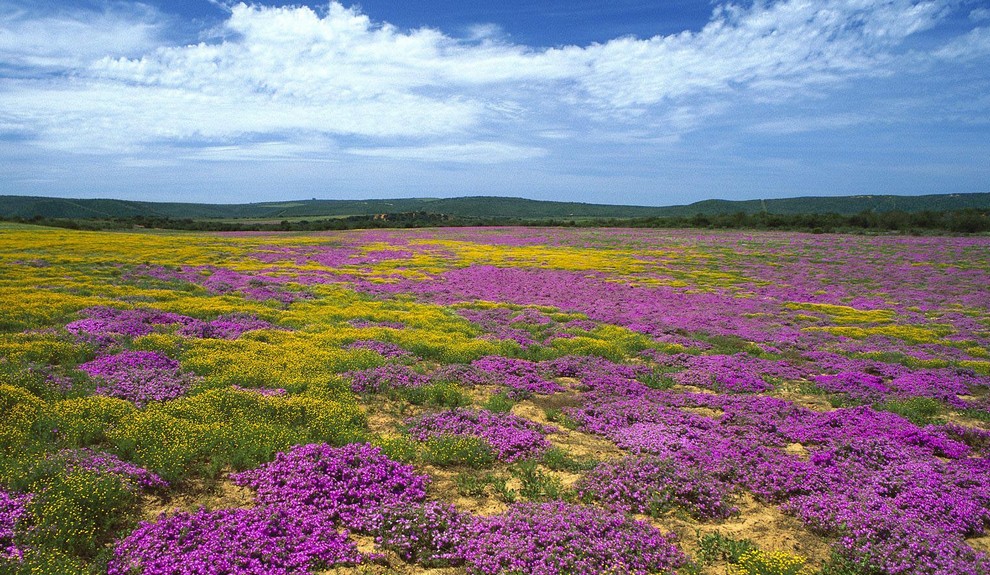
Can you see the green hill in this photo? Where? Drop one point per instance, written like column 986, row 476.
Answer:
column 28, row 207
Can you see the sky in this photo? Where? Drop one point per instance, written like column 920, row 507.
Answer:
column 647, row 102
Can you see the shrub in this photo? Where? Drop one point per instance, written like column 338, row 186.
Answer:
column 446, row 450
column 714, row 547
column 499, row 403
column 79, row 511
column 759, row 562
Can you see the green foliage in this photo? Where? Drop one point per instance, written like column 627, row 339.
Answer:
column 499, row 403
column 473, row 484
column 79, row 511
column 399, row 448
column 222, row 428
column 558, row 459
column 44, row 560
column 20, row 409
column 714, row 547
column 82, row 422
column 449, row 450
column 919, row 410
column 538, row 485
column 557, row 416
column 444, row 394
column 658, row 379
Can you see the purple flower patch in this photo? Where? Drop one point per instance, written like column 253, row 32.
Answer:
column 511, row 437
column 560, row 539
column 347, row 484
column 259, row 541
column 138, row 376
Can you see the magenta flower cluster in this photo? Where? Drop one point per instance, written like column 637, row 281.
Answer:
column 229, row 326
column 106, row 325
column 897, row 496
column 382, row 348
column 527, row 327
column 462, row 374
column 523, row 378
column 138, row 376
column 561, row 539
column 649, row 485
column 258, row 541
column 735, row 373
column 347, row 484
column 13, row 516
column 385, row 377
column 430, row 534
column 106, row 463
column 511, row 437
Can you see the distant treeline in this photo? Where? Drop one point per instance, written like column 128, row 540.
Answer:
column 968, row 221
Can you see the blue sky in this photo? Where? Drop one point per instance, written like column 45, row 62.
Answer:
column 625, row 101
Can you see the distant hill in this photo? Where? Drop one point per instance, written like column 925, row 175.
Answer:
column 479, row 206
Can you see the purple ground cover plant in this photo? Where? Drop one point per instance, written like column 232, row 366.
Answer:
column 462, row 374
column 229, row 326
column 349, row 485
column 258, row 541
column 875, row 481
column 106, row 325
column 385, row 377
column 429, row 534
column 735, row 373
column 523, row 378
column 101, row 462
column 13, row 516
column 561, row 539
column 382, row 348
column 138, row 376
column 652, row 485
column 510, row 436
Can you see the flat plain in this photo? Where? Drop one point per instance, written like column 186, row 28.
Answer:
column 493, row 401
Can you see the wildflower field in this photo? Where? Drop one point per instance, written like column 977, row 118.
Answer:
column 493, row 401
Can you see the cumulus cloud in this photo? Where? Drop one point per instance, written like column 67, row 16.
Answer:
column 274, row 72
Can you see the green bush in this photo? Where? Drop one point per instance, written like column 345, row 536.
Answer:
column 499, row 403
column 538, row 485
column 446, row 394
column 919, row 410
column 557, row 459
column 713, row 547
column 80, row 511
column 447, row 450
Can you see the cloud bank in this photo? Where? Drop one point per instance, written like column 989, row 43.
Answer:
column 291, row 82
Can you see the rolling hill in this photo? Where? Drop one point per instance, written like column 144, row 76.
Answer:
column 27, row 207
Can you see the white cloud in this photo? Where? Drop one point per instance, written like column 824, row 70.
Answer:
column 972, row 46
column 281, row 74
column 798, row 125
column 474, row 153
column 75, row 38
